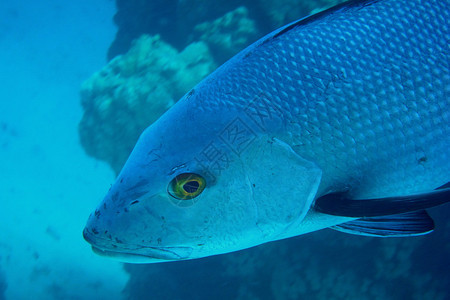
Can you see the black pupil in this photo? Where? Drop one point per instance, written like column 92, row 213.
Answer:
column 191, row 186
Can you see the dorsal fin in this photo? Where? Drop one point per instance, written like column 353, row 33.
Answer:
column 340, row 7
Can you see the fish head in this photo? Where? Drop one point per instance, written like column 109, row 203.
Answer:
column 185, row 192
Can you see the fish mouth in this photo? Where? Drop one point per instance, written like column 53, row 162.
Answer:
column 135, row 253
column 154, row 255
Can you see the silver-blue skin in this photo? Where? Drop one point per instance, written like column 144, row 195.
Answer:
column 354, row 99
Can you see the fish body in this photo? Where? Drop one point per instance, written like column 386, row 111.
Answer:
column 352, row 101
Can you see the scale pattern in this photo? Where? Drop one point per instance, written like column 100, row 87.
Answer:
column 364, row 92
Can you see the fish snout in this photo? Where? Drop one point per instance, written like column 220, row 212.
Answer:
column 105, row 245
column 103, row 227
column 127, row 227
column 100, row 237
column 94, row 235
column 89, row 236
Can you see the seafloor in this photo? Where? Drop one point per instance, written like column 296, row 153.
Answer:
column 73, row 86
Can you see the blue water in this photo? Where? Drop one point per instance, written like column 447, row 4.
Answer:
column 49, row 185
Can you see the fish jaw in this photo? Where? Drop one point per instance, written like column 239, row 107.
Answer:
column 134, row 253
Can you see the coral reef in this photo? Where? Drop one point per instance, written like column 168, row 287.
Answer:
column 173, row 20
column 176, row 20
column 133, row 90
column 290, row 10
column 227, row 35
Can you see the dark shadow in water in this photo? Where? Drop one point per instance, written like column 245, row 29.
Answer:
column 321, row 265
column 3, row 286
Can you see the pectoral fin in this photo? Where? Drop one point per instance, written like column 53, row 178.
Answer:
column 401, row 225
column 339, row 204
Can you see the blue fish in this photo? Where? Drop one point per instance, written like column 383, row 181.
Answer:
column 337, row 120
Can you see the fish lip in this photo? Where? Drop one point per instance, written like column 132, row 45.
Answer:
column 156, row 255
column 135, row 253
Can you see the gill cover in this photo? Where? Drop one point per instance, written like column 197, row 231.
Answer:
column 283, row 185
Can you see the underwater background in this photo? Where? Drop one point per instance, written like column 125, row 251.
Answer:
column 79, row 82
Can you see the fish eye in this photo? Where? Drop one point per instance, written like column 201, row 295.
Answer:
column 186, row 186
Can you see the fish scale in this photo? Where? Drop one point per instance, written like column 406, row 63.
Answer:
column 366, row 91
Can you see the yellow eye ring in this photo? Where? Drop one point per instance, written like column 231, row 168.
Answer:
column 186, row 186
